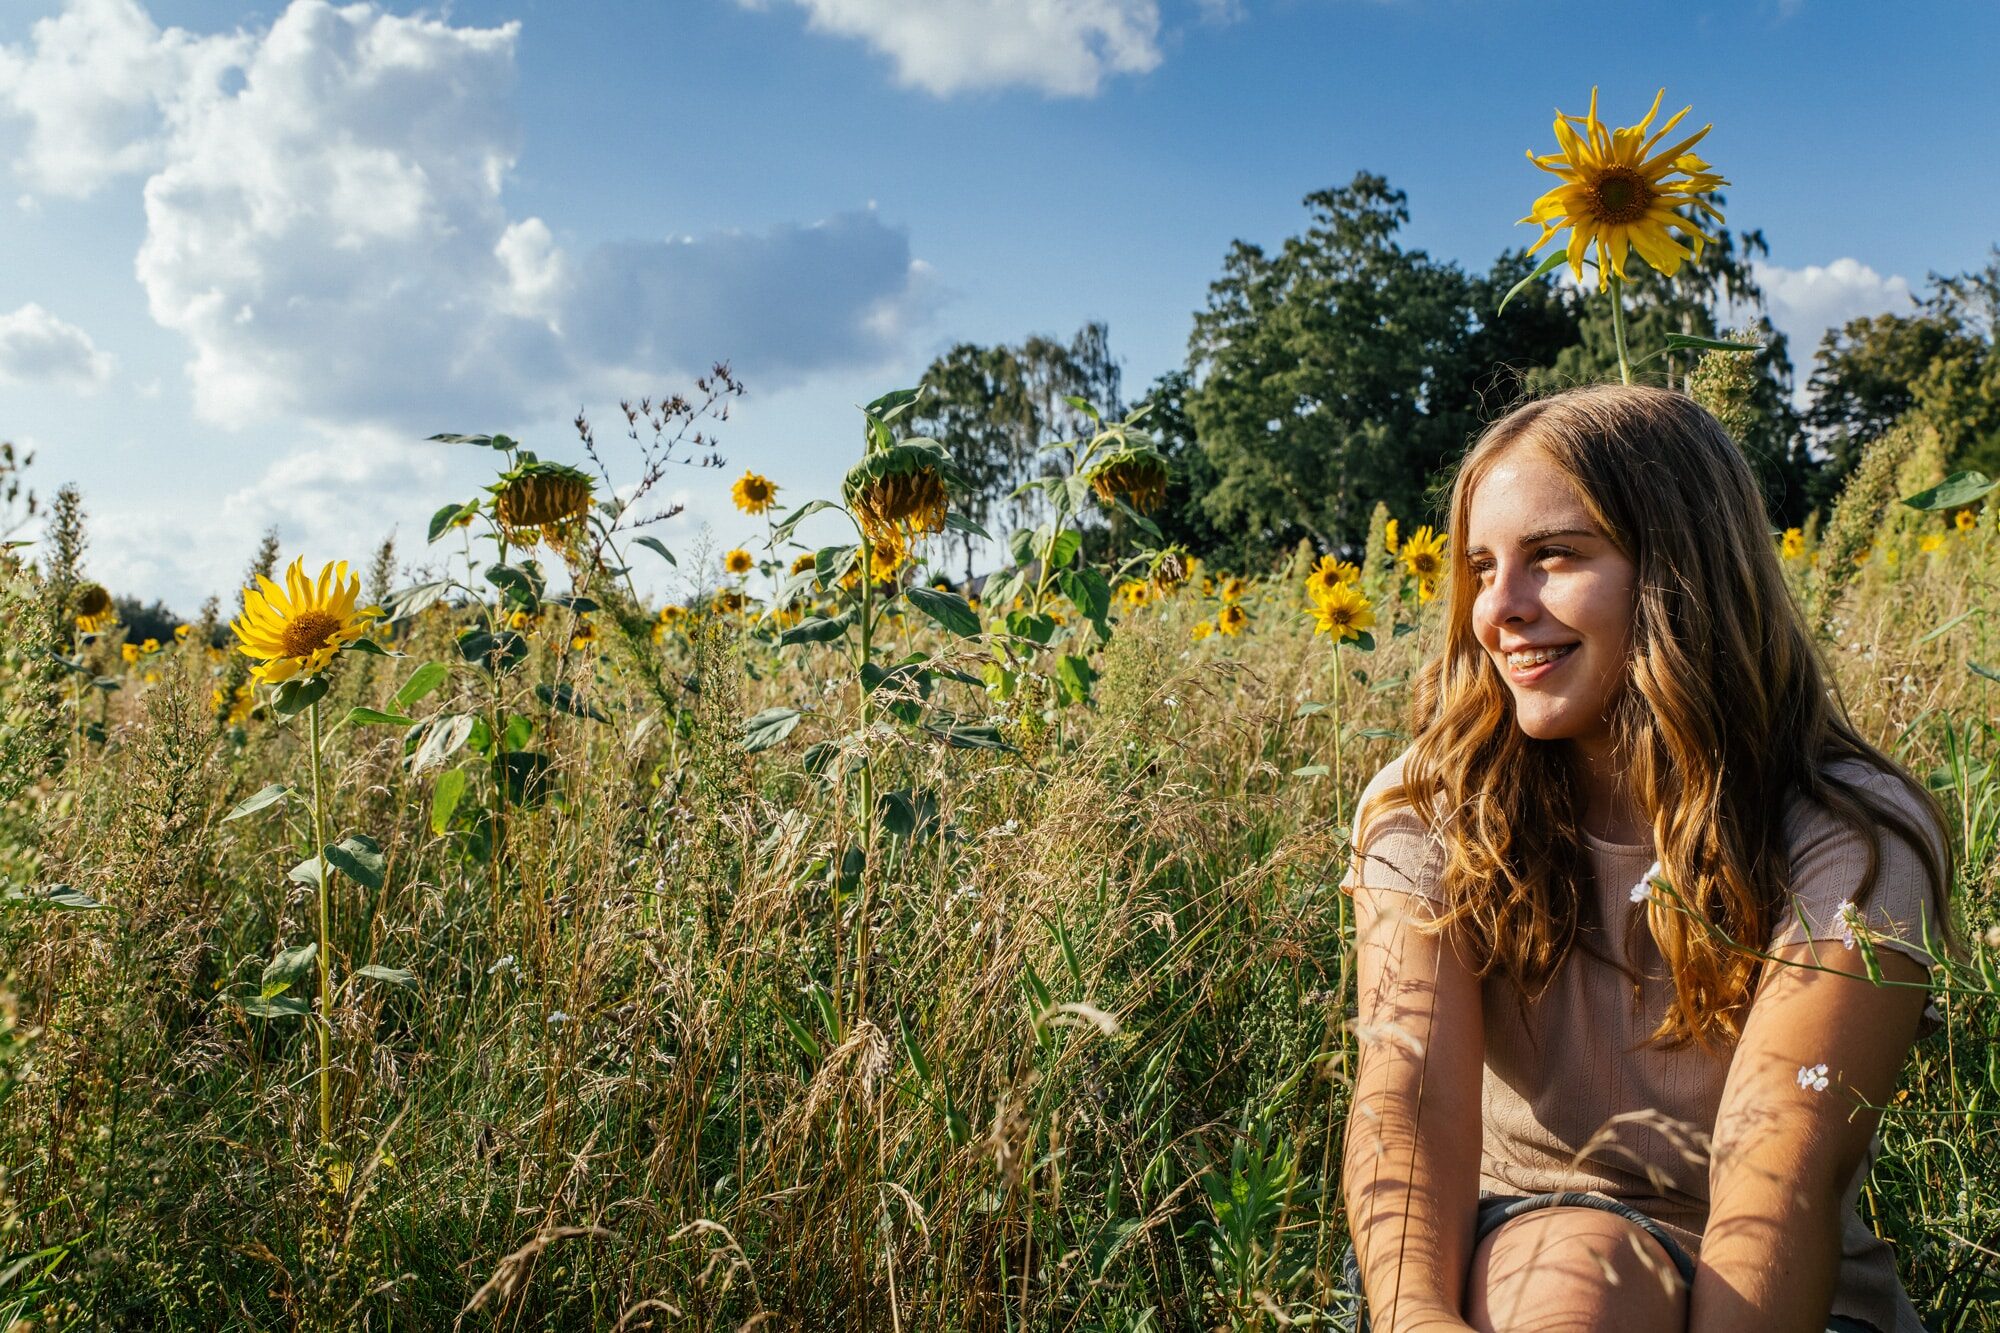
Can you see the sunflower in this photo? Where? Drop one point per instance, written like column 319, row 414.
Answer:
column 1427, row 590
column 94, row 610
column 542, row 501
column 1618, row 192
column 129, row 651
column 584, row 636
column 753, row 494
column 1344, row 613
column 1793, row 544
column 1423, row 554
column 149, row 647
column 1202, row 629
column 1134, row 595
column 738, row 561
column 1966, row 520
column 296, row 630
column 1232, row 619
column 1389, row 534
column 672, row 614
column 886, row 555
column 232, row 709
column 181, row 632
column 729, row 601
column 520, row 620
column 805, row 562
column 1930, row 542
column 1137, row 471
column 1332, row 572
column 1170, row 569
column 1232, row 589
column 904, row 487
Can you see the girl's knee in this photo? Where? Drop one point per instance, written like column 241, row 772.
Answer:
column 1576, row 1269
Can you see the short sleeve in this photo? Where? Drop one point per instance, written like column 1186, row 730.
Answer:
column 1394, row 849
column 1829, row 859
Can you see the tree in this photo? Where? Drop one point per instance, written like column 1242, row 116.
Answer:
column 1318, row 387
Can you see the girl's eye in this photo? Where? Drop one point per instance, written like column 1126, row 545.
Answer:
column 1482, row 567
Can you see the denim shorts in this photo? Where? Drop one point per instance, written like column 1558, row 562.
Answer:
column 1496, row 1210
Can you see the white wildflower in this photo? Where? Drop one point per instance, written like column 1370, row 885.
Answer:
column 1993, row 937
column 1846, row 917
column 1813, row 1077
column 505, row 964
column 557, row 1017
column 1171, row 702
column 1643, row 890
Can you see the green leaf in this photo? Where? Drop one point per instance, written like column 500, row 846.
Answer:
column 1088, row 592
column 519, row 585
column 250, row 805
column 1311, row 771
column 421, row 682
column 769, row 728
column 817, row 629
column 831, row 563
column 1960, row 488
column 520, row 729
column 278, row 1007
column 65, row 898
column 1687, row 342
column 1063, row 548
column 286, row 968
column 1950, row 624
column 948, row 609
column 493, row 652
column 1549, row 262
column 445, row 795
column 1074, row 675
column 394, row 976
column 1021, row 545
column 1364, row 641
column 969, row 736
column 407, row 602
column 529, row 775
column 372, row 718
column 370, row 648
column 565, row 699
column 657, row 547
column 442, row 520
column 1038, row 629
column 305, row 872
column 299, row 693
column 801, row 1035
column 790, row 522
column 359, row 857
column 483, row 441
column 443, row 739
column 1987, row 672
column 958, row 522
column 1377, row 734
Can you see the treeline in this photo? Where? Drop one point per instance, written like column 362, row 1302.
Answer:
column 1342, row 369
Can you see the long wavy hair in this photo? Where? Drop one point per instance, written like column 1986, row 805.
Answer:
column 1726, row 715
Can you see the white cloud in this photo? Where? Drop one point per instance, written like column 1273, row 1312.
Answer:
column 1806, row 302
column 1065, row 48
column 38, row 348
column 98, row 87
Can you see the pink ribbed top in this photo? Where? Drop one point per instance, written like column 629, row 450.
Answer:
column 1573, row 1096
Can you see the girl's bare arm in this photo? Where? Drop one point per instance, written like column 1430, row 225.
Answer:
column 1411, row 1174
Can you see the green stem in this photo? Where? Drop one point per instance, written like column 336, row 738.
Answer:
column 1617, row 288
column 325, row 966
column 867, row 778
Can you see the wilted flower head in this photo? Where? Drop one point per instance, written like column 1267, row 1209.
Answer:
column 1136, row 471
column 94, row 610
column 901, row 488
column 542, row 501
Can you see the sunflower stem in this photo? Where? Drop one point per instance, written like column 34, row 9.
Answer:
column 325, row 967
column 1616, row 286
column 867, row 780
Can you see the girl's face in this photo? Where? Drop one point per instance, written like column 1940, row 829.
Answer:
column 1549, row 581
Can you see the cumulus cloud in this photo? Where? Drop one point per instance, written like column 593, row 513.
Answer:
column 1806, row 302
column 1065, row 48
column 38, row 348
column 326, row 227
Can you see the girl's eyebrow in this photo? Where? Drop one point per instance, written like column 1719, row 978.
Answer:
column 1539, row 535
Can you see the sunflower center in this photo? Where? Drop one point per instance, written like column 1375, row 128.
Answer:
column 308, row 632
column 1621, row 195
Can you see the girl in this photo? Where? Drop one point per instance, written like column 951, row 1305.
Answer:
column 1584, row 1101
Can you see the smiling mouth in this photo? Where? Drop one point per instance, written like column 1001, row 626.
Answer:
column 1536, row 667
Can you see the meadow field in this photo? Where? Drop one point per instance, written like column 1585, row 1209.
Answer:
column 833, row 946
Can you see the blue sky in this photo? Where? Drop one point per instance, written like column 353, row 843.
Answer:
column 260, row 251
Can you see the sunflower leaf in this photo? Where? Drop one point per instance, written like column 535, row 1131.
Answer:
column 1985, row 671
column 948, row 609
column 958, row 522
column 283, row 1006
column 816, row 629
column 1960, row 488
column 394, row 976
column 1549, row 262
column 769, row 728
column 359, row 857
column 370, row 717
column 371, row 648
column 299, row 693
column 790, row 523
column 443, row 739
column 250, row 805
column 565, row 699
column 529, row 775
column 658, row 547
column 421, row 682
column 444, row 519
column 831, row 563
column 62, row 897
column 287, row 967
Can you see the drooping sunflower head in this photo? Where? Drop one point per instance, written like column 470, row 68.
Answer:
column 1231, row 619
column 903, row 488
column 753, row 494
column 1332, row 572
column 1169, row 569
column 738, row 561
column 1423, row 555
column 538, row 501
column 94, row 610
column 1622, row 191
column 296, row 630
column 1344, row 613
column 1136, row 471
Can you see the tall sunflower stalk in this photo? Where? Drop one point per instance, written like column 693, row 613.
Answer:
column 1622, row 192
column 294, row 633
